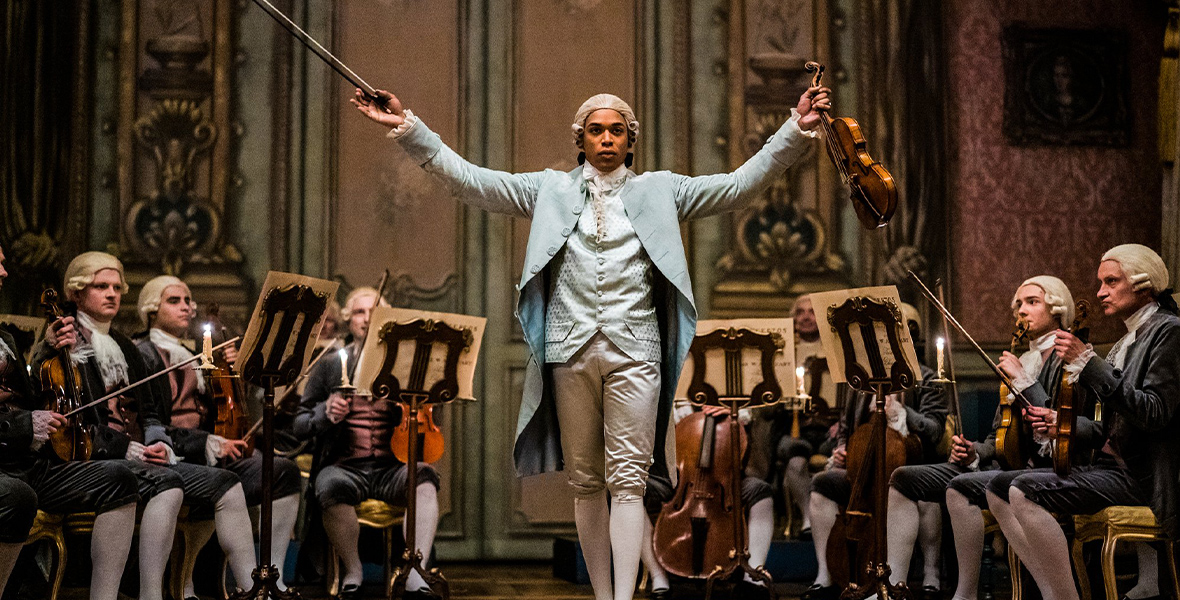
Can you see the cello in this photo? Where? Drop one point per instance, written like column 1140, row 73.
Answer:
column 62, row 385
column 871, row 187
column 1010, row 443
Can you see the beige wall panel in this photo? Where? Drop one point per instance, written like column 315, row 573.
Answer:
column 389, row 213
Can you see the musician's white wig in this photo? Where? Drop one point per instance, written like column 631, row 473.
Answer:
column 1057, row 297
column 80, row 272
column 1142, row 266
column 350, row 301
column 153, row 292
column 600, row 102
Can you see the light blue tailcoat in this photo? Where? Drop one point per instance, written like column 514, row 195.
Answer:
column 655, row 203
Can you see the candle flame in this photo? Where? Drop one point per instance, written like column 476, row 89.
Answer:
column 799, row 371
column 342, row 353
column 941, row 343
column 208, row 328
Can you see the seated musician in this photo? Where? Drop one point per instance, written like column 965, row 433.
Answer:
column 1046, row 305
column 166, row 308
column 1139, row 464
column 32, row 477
column 795, row 453
column 133, row 428
column 921, row 413
column 357, row 460
column 757, row 498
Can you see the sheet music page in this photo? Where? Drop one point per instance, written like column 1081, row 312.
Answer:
column 824, row 302
column 784, row 358
column 373, row 354
column 277, row 280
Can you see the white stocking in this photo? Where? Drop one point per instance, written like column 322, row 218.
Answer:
column 1148, row 584
column 282, row 525
column 426, row 515
column 200, row 534
column 235, row 533
column 627, row 515
column 967, row 525
column 110, row 543
column 1014, row 532
column 798, row 480
column 9, row 552
column 1053, row 569
column 157, row 528
column 760, row 524
column 659, row 577
column 901, row 533
column 930, row 539
column 344, row 531
column 823, row 517
column 593, row 519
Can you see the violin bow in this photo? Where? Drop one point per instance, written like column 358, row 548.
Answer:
column 946, row 314
column 319, row 50
column 132, row 386
column 302, row 375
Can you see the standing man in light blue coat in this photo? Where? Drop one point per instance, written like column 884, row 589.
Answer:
column 605, row 303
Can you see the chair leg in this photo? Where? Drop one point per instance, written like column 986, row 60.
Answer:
column 1014, row 568
column 1108, row 549
column 1079, row 566
column 1170, row 552
column 332, row 573
column 387, row 533
column 987, row 569
column 59, row 542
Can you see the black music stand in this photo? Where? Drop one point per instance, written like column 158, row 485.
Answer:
column 765, row 393
column 864, row 314
column 270, row 366
column 414, row 395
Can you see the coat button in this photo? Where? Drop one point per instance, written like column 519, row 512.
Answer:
column 565, row 232
column 552, row 250
column 535, row 269
column 577, row 210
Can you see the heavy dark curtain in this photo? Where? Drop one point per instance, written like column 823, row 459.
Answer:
column 36, row 104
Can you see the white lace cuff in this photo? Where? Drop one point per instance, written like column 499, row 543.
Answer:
column 405, row 126
column 1022, row 381
column 213, row 445
column 896, row 414
column 814, row 133
column 1075, row 367
column 134, row 451
column 744, row 416
column 974, row 466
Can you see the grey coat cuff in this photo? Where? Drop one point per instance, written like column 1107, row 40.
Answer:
column 155, row 433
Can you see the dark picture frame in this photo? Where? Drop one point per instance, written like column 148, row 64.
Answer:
column 1065, row 87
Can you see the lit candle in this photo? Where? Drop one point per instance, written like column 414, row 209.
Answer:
column 799, row 380
column 941, row 343
column 207, row 345
column 344, row 368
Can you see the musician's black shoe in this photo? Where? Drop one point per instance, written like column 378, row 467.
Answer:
column 750, row 591
column 819, row 592
column 350, row 591
column 422, row 594
column 660, row 594
column 1156, row 597
column 930, row 593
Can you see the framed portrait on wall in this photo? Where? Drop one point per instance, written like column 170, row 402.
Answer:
column 1065, row 86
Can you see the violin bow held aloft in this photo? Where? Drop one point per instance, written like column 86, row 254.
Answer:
column 871, row 187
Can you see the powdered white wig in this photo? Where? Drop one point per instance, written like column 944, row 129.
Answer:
column 1057, row 297
column 153, row 292
column 1142, row 266
column 600, row 102
column 909, row 313
column 360, row 292
column 80, row 272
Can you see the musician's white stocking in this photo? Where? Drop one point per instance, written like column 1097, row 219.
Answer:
column 901, row 533
column 627, row 515
column 823, row 517
column 592, row 517
column 1052, row 567
column 658, row 577
column 110, row 542
column 1148, row 583
column 761, row 530
column 967, row 526
column 157, row 528
column 798, row 481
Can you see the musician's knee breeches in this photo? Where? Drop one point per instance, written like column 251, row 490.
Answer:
column 924, row 483
column 18, row 508
column 1087, row 489
column 973, row 486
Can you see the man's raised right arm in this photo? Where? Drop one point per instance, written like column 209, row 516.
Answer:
column 495, row 191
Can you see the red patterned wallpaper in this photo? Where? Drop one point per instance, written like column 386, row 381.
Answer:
column 1024, row 211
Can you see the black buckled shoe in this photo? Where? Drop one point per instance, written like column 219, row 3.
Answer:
column 660, row 594
column 750, row 591
column 930, row 593
column 819, row 592
column 422, row 594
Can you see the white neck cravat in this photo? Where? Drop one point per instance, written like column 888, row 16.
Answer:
column 600, row 186
column 1034, row 359
column 177, row 353
column 112, row 365
column 1118, row 354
